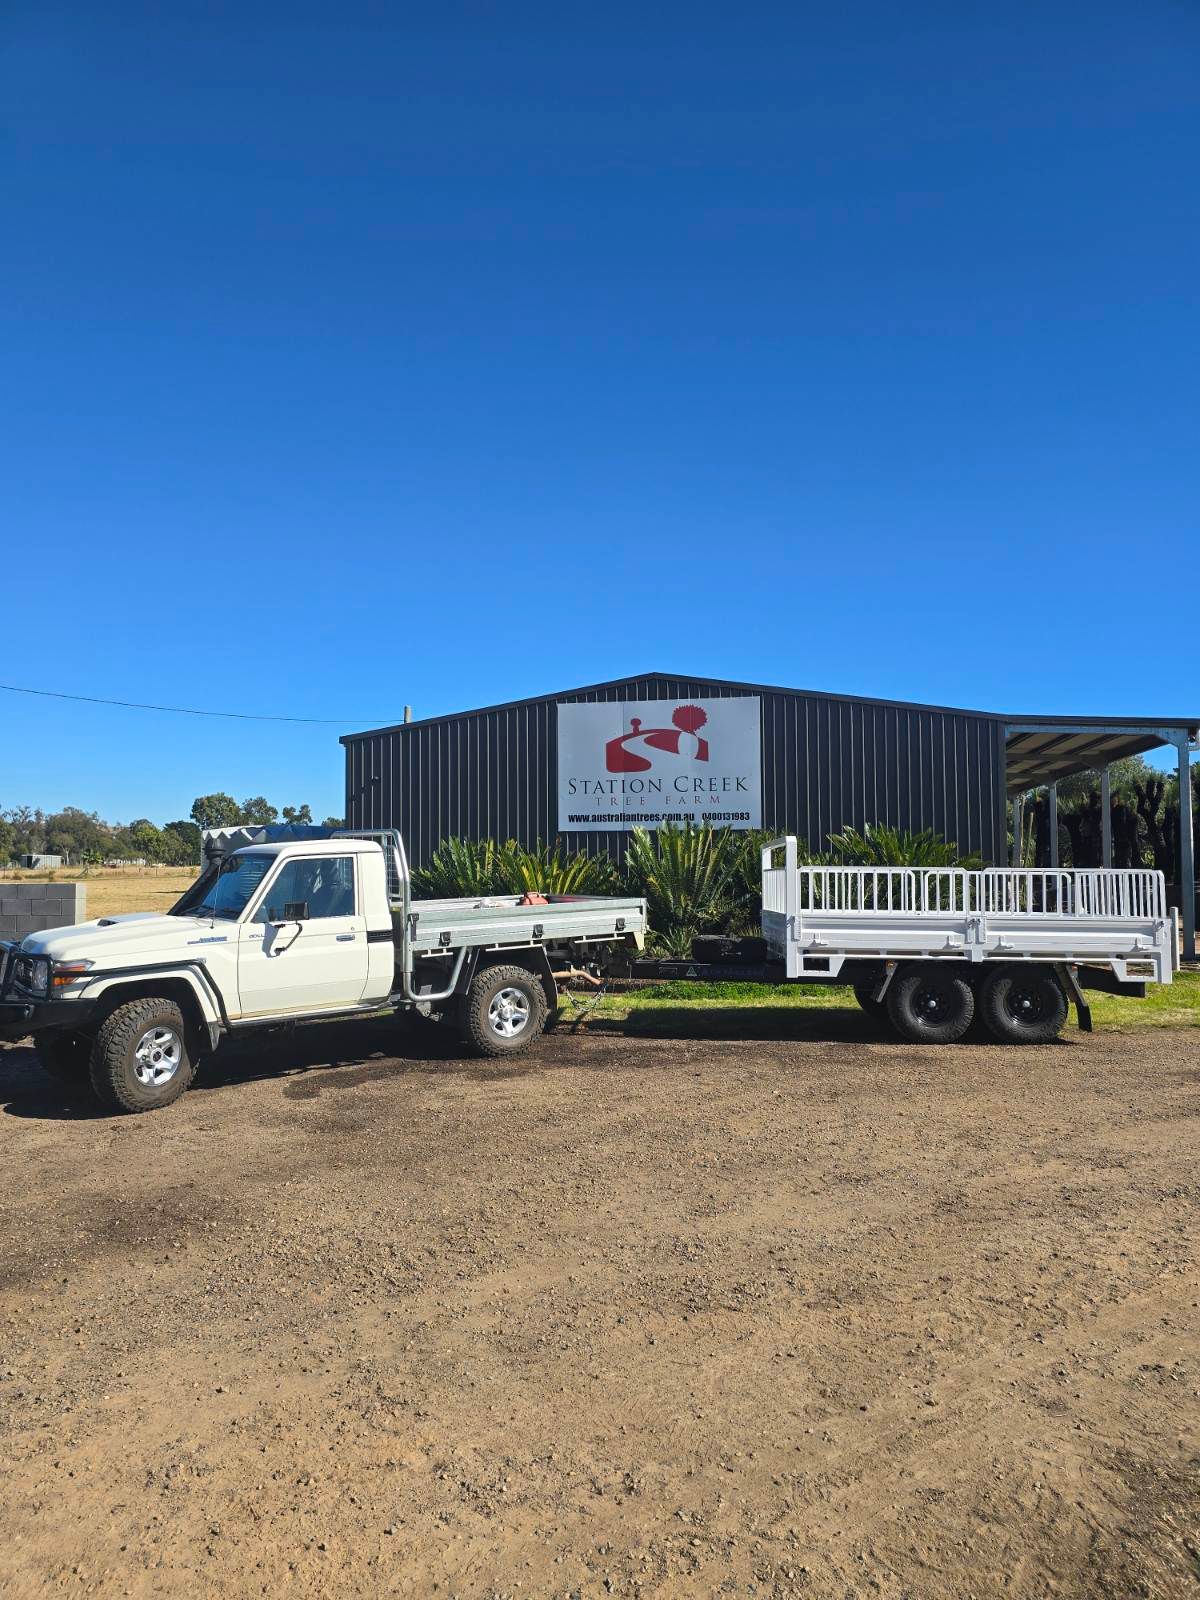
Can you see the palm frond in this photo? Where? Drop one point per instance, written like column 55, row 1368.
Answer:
column 882, row 846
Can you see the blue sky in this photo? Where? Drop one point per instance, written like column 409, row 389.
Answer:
column 358, row 356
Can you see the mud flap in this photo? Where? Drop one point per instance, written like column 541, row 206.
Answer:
column 1070, row 983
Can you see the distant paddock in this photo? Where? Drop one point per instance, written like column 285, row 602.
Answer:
column 112, row 890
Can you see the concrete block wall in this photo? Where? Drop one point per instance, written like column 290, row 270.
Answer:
column 30, row 907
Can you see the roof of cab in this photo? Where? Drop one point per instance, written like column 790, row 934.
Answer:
column 312, row 847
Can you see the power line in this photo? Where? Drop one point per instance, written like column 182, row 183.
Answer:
column 185, row 711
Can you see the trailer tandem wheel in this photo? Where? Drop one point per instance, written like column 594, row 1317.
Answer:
column 1023, row 1004
column 930, row 1003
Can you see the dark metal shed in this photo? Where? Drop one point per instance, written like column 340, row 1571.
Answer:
column 828, row 761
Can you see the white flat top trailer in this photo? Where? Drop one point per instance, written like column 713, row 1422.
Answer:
column 815, row 919
column 929, row 949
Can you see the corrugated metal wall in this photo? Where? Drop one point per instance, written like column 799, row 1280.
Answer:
column 828, row 762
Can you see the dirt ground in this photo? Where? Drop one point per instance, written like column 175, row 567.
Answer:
column 805, row 1314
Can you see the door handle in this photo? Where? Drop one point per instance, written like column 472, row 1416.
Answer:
column 342, row 937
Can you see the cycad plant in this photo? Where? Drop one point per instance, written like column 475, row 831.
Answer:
column 463, row 868
column 550, row 869
column 691, row 878
column 881, row 846
column 459, row 868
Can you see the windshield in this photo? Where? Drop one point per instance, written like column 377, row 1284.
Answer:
column 230, row 891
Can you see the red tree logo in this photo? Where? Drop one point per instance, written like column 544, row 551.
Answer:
column 681, row 739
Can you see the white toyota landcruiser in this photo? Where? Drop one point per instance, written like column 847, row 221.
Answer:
column 281, row 933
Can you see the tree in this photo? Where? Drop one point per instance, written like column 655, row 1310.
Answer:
column 1123, row 777
column 216, row 811
column 74, row 833
column 259, row 812
column 181, row 841
column 142, row 840
column 29, row 830
column 334, row 822
column 297, row 813
column 6, row 840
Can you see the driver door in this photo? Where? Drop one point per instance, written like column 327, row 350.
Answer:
column 305, row 948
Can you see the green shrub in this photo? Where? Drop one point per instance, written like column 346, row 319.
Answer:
column 463, row 868
column 550, row 869
column 896, row 847
column 458, row 869
column 693, row 880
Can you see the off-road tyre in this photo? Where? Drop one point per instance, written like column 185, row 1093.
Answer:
column 482, row 1021
column 1023, row 1005
column 930, row 1003
column 64, row 1059
column 116, row 1080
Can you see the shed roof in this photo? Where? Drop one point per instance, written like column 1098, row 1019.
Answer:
column 1039, row 749
column 1043, row 750
column 664, row 677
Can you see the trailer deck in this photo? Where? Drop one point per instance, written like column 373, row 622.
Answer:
column 815, row 919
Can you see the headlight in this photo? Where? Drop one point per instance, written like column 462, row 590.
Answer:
column 32, row 973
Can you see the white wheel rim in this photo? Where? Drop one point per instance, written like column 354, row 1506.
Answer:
column 508, row 1013
column 157, row 1056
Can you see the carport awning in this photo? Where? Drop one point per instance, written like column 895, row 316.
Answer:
column 1041, row 754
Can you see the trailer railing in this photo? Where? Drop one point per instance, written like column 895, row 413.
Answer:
column 1121, row 892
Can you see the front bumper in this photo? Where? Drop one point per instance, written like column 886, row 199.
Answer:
column 22, row 1013
column 20, row 1017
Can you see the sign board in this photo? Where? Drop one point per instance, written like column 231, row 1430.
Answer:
column 639, row 763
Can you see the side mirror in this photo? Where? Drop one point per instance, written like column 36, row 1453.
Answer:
column 295, row 911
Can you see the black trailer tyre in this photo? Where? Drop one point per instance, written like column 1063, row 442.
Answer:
column 140, row 1059
column 1023, row 1005
column 504, row 1010
column 64, row 1057
column 930, row 1003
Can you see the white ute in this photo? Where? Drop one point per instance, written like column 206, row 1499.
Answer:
column 284, row 933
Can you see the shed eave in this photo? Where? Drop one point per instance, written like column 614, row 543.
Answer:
column 686, row 677
column 1043, row 750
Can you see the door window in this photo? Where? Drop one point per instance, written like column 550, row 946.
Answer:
column 324, row 884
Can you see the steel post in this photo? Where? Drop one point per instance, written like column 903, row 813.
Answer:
column 1053, row 798
column 1187, row 859
column 1106, row 815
